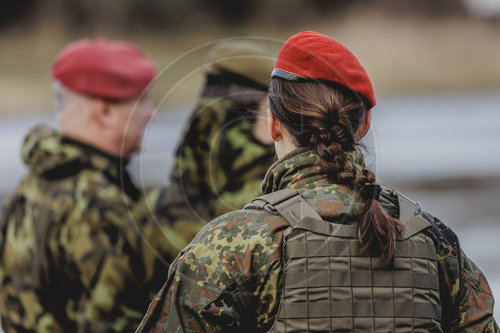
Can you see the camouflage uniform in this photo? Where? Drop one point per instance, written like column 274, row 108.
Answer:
column 219, row 163
column 230, row 277
column 67, row 246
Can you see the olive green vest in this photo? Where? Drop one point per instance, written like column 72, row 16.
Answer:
column 330, row 287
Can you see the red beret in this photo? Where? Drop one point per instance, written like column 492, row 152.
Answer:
column 311, row 55
column 109, row 69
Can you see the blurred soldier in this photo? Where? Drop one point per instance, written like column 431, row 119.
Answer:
column 70, row 213
column 326, row 249
column 225, row 148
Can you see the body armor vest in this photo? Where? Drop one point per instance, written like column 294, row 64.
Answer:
column 330, row 287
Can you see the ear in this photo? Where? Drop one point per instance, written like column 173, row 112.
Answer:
column 365, row 126
column 274, row 126
column 100, row 113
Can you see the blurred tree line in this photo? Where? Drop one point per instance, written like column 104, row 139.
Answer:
column 162, row 15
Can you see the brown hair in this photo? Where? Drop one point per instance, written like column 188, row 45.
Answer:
column 325, row 117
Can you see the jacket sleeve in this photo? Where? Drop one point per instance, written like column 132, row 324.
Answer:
column 115, row 269
column 226, row 279
column 474, row 300
column 114, row 301
column 466, row 297
column 134, row 272
column 196, row 297
column 135, row 267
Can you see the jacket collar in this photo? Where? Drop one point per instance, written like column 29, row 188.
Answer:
column 53, row 156
column 298, row 170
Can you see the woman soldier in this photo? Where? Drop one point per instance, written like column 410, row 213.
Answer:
column 325, row 249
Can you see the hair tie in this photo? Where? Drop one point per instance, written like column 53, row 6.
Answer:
column 371, row 191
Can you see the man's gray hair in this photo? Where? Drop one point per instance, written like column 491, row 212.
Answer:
column 58, row 97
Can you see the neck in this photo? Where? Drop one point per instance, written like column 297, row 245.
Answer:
column 101, row 142
column 284, row 147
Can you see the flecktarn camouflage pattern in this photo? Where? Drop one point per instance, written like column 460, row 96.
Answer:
column 230, row 277
column 68, row 249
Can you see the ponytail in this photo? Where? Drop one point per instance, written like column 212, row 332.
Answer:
column 377, row 230
column 326, row 117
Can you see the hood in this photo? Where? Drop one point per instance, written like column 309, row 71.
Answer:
column 43, row 151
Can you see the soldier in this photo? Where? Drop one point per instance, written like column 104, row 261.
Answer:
column 69, row 215
column 224, row 151
column 327, row 248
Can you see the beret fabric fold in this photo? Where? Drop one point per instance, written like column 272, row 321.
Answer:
column 311, row 55
column 108, row 69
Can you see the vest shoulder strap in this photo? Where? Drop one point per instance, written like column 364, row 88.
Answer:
column 287, row 203
column 410, row 213
column 298, row 213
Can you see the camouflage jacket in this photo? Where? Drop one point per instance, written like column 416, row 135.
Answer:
column 236, row 261
column 219, row 166
column 67, row 245
column 219, row 162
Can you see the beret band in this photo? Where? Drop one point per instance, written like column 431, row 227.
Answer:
column 286, row 75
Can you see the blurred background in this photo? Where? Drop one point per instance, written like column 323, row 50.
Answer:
column 435, row 66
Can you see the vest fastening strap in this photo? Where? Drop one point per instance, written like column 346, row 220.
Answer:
column 324, row 309
column 403, row 279
column 340, row 248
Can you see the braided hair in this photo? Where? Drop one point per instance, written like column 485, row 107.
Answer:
column 325, row 117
